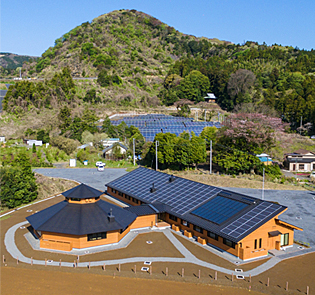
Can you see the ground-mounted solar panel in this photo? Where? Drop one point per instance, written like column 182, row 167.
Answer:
column 250, row 219
column 219, row 209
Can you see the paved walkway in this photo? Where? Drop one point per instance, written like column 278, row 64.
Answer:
column 9, row 241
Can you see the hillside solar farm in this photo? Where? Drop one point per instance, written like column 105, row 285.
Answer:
column 150, row 125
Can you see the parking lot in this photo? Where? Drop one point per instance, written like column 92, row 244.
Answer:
column 301, row 204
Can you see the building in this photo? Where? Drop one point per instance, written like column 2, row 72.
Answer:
column 210, row 97
column 300, row 160
column 109, row 152
column 265, row 159
column 83, row 220
column 109, row 142
column 84, row 146
column 30, row 142
column 244, row 226
column 2, row 139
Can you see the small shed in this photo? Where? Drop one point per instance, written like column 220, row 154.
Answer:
column 265, row 159
column 84, row 146
column 210, row 97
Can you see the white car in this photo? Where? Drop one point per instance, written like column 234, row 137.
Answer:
column 101, row 167
column 98, row 163
column 312, row 175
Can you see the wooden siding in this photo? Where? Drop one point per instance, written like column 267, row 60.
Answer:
column 123, row 198
column 144, row 221
column 267, row 242
column 83, row 201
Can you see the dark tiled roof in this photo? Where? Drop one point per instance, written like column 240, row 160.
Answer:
column 82, row 191
column 301, row 160
column 142, row 210
column 81, row 219
column 181, row 196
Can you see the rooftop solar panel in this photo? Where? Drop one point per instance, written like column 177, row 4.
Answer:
column 219, row 209
column 250, row 219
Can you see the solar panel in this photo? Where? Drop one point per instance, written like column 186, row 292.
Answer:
column 165, row 123
column 250, row 219
column 174, row 194
column 219, row 209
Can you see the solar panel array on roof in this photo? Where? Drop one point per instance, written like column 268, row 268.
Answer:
column 250, row 219
column 219, row 209
column 150, row 125
column 181, row 194
column 228, row 214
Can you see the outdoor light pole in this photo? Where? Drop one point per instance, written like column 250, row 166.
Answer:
column 156, row 155
column 133, row 148
column 262, row 196
column 210, row 170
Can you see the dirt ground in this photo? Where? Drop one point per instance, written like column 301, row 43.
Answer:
column 299, row 272
column 207, row 256
column 53, row 282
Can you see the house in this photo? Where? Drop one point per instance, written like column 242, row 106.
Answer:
column 243, row 226
column 109, row 152
column 300, row 160
column 30, row 142
column 83, row 220
column 108, row 142
column 265, row 159
column 2, row 139
column 210, row 97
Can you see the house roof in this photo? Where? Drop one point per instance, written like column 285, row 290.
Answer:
column 303, row 152
column 301, row 160
column 210, row 96
column 110, row 147
column 81, row 219
column 85, row 145
column 198, row 203
column 146, row 209
column 82, row 191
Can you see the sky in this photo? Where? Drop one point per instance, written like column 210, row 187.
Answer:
column 30, row 27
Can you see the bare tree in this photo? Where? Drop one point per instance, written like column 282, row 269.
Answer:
column 240, row 82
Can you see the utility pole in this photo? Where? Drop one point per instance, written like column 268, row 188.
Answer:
column 263, row 187
column 210, row 170
column 205, row 115
column 133, row 149
column 156, row 155
column 219, row 117
column 301, row 126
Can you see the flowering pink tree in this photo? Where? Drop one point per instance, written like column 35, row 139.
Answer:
column 252, row 132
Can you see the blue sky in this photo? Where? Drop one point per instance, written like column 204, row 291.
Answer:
column 30, row 27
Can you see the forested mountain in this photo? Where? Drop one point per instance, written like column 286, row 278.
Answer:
column 141, row 61
column 10, row 61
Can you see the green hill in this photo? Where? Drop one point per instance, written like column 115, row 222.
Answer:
column 10, row 61
column 140, row 61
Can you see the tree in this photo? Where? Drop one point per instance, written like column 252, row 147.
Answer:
column 43, row 136
column 194, row 86
column 17, row 183
column 34, row 148
column 240, row 84
column 208, row 134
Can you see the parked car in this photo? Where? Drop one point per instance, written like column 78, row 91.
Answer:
column 313, row 137
column 101, row 167
column 98, row 163
column 312, row 175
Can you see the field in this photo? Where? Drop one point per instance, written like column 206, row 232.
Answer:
column 37, row 279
